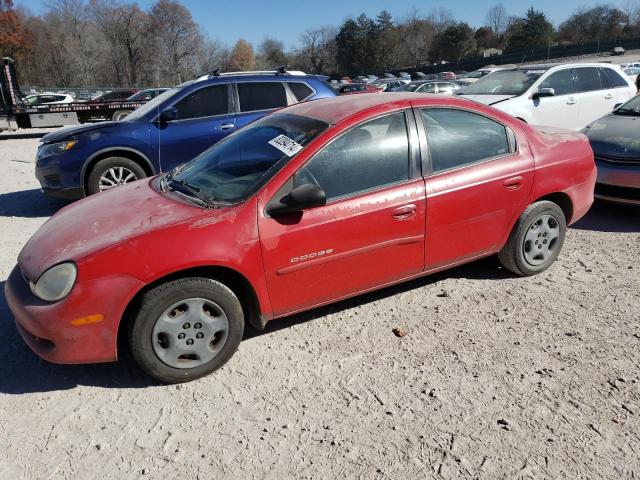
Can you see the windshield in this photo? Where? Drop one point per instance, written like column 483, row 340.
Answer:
column 409, row 87
column 478, row 74
column 237, row 166
column 631, row 107
column 141, row 111
column 504, row 82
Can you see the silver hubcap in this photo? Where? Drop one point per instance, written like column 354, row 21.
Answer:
column 541, row 240
column 190, row 333
column 116, row 176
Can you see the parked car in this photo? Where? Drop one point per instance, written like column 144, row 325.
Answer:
column 315, row 203
column 146, row 95
column 562, row 95
column 352, row 88
column 48, row 98
column 447, row 75
column 171, row 129
column 114, row 96
column 630, row 65
column 615, row 139
column 618, row 51
column 429, row 86
column 632, row 72
column 404, row 75
column 389, row 84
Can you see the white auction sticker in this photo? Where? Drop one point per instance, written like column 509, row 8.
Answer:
column 286, row 145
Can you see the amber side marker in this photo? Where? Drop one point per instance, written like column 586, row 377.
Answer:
column 88, row 320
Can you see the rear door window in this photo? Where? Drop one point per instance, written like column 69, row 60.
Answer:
column 428, row 88
column 261, row 96
column 205, row 102
column 589, row 79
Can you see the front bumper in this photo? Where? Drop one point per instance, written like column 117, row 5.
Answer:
column 618, row 183
column 46, row 327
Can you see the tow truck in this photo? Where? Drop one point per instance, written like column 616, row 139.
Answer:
column 16, row 113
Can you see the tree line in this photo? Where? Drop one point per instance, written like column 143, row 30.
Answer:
column 86, row 43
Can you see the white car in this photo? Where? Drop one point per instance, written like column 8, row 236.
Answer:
column 478, row 74
column 567, row 96
column 629, row 65
column 48, row 98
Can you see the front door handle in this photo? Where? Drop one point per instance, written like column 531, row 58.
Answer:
column 227, row 126
column 402, row 213
column 609, row 96
column 513, row 183
column 571, row 101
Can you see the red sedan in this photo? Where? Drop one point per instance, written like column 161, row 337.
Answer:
column 315, row 203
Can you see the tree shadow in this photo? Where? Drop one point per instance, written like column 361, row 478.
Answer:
column 610, row 217
column 29, row 204
column 24, row 372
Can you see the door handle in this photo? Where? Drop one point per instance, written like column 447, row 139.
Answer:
column 609, row 96
column 513, row 183
column 402, row 213
column 227, row 126
column 571, row 101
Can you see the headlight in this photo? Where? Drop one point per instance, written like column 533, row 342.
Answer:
column 49, row 149
column 55, row 283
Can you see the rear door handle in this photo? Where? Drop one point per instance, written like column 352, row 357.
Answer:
column 513, row 183
column 227, row 126
column 609, row 96
column 402, row 213
column 571, row 101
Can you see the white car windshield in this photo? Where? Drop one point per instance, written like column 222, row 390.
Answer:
column 504, row 82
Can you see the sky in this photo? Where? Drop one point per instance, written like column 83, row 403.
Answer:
column 285, row 20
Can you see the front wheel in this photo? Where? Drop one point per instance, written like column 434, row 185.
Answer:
column 112, row 172
column 186, row 329
column 536, row 239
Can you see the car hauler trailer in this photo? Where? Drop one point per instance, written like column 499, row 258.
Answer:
column 15, row 113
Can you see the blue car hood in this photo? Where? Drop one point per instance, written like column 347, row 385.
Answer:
column 616, row 136
column 66, row 132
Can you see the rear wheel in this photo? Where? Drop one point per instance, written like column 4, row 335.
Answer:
column 120, row 115
column 112, row 172
column 186, row 329
column 536, row 239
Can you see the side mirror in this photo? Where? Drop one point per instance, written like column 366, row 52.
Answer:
column 300, row 198
column 168, row 114
column 544, row 92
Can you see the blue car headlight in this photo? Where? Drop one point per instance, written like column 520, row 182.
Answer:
column 57, row 148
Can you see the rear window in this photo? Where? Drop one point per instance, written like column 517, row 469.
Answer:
column 261, row 96
column 302, row 91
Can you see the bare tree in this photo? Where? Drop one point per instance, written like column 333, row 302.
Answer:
column 631, row 12
column 270, row 54
column 416, row 36
column 496, row 19
column 318, row 49
column 441, row 18
column 179, row 39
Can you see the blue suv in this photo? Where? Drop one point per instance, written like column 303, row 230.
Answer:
column 171, row 129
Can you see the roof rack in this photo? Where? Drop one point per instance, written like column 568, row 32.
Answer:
column 281, row 70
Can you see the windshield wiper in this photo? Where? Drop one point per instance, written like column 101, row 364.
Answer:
column 626, row 111
column 190, row 190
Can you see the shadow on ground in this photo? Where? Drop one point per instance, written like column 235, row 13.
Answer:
column 610, row 217
column 29, row 204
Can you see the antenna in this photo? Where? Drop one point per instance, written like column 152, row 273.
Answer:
column 158, row 125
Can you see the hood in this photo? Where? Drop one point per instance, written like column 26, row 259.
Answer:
column 101, row 221
column 487, row 99
column 615, row 136
column 66, row 132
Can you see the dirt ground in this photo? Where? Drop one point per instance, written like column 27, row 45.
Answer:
column 496, row 377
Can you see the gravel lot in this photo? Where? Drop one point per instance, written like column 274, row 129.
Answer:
column 496, row 377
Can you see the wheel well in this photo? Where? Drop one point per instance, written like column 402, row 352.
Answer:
column 139, row 159
column 563, row 201
column 238, row 284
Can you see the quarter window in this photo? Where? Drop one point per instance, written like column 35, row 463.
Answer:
column 457, row 138
column 206, row 102
column 369, row 156
column 302, row 91
column 615, row 80
column 261, row 96
column 561, row 82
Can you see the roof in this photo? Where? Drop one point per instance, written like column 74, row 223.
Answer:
column 334, row 110
column 549, row 66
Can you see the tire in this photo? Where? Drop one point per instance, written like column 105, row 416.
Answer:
column 119, row 115
column 111, row 172
column 536, row 239
column 155, row 335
